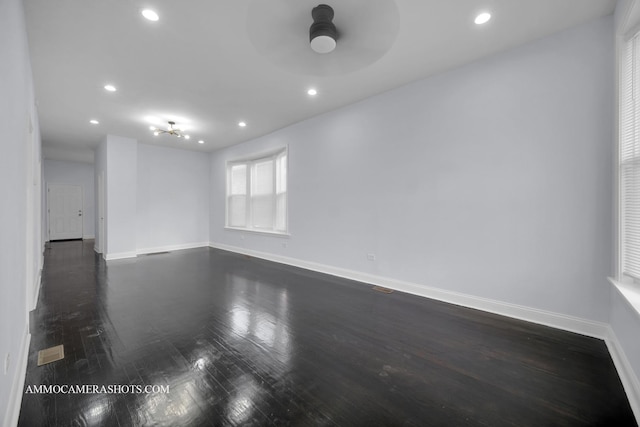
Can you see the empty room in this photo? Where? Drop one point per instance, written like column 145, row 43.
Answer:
column 295, row 213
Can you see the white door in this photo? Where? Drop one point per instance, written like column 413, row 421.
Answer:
column 65, row 211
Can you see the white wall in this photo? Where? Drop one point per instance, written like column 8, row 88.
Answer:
column 491, row 180
column 100, row 167
column 156, row 198
column 121, row 184
column 20, row 184
column 173, row 199
column 76, row 173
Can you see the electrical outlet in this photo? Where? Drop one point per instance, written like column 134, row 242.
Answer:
column 7, row 362
column 371, row 257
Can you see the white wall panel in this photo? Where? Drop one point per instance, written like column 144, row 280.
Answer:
column 173, row 198
column 121, row 185
column 21, row 242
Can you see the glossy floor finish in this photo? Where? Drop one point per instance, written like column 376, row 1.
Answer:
column 245, row 342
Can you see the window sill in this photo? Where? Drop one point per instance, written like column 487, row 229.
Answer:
column 267, row 233
column 630, row 292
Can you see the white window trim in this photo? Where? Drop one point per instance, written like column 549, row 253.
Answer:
column 625, row 285
column 622, row 58
column 249, row 160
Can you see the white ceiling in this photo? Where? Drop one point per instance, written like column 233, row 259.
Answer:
column 209, row 64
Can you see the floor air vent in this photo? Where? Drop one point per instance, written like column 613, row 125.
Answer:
column 50, row 354
column 383, row 290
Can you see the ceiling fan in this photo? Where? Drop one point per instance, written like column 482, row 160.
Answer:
column 170, row 131
column 308, row 38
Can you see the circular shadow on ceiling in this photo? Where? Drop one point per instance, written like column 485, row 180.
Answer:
column 279, row 30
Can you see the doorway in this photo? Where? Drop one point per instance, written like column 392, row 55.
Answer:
column 65, row 204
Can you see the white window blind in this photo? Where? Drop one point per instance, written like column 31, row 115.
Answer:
column 629, row 166
column 237, row 197
column 257, row 193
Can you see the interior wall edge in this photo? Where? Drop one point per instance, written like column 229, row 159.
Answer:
column 628, row 376
column 555, row 320
column 17, row 385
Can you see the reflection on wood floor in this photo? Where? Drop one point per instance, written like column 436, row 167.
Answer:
column 245, row 342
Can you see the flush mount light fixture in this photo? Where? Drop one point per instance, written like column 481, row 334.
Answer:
column 201, row 142
column 312, row 92
column 482, row 18
column 94, row 122
column 242, row 124
column 150, row 15
column 171, row 130
column 110, row 88
column 322, row 33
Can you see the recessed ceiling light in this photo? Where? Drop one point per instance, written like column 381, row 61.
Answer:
column 483, row 18
column 312, row 92
column 150, row 15
column 110, row 88
column 242, row 124
column 201, row 142
column 187, row 137
column 94, row 122
column 152, row 128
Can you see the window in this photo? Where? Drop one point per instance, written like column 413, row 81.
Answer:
column 629, row 161
column 257, row 193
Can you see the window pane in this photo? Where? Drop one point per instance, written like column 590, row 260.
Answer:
column 281, row 174
column 238, row 179
column 281, row 212
column 262, row 212
column 237, row 213
column 262, row 197
column 262, row 178
column 629, row 167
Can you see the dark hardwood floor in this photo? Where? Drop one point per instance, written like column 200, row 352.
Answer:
column 244, row 342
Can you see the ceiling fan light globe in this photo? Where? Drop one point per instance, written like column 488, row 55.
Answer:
column 323, row 44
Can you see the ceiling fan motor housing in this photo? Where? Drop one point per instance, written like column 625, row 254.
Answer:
column 323, row 33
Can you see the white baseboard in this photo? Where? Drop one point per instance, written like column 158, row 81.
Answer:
column 143, row 251
column 119, row 255
column 41, row 269
column 15, row 398
column 547, row 318
column 628, row 376
column 168, row 248
column 88, row 237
